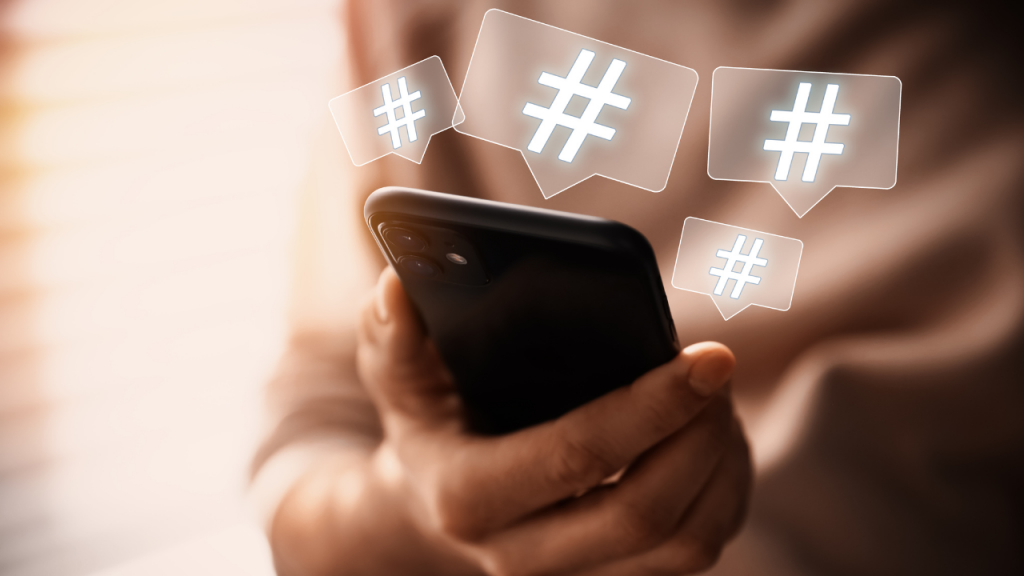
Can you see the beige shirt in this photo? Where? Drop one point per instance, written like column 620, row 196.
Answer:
column 885, row 409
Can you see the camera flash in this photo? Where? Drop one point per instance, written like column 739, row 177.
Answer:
column 456, row 258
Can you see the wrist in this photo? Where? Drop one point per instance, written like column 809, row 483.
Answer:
column 348, row 514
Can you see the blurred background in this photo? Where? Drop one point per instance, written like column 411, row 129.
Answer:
column 154, row 160
column 169, row 206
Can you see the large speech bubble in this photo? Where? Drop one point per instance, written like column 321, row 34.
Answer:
column 737, row 267
column 574, row 106
column 397, row 114
column 804, row 133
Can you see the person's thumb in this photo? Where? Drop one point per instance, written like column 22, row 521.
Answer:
column 397, row 362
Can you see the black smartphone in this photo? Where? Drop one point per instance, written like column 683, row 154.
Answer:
column 535, row 312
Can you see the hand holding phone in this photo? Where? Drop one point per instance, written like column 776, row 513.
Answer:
column 536, row 501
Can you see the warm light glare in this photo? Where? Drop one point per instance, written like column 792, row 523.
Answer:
column 148, row 200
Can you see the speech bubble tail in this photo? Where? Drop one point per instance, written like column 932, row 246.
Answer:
column 459, row 117
column 728, row 307
column 412, row 154
column 801, row 198
column 552, row 184
column 416, row 153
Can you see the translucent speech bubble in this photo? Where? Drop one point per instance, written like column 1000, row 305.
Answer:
column 804, row 133
column 396, row 114
column 736, row 266
column 574, row 107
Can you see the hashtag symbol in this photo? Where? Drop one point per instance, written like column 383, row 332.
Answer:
column 799, row 116
column 599, row 96
column 408, row 118
column 744, row 276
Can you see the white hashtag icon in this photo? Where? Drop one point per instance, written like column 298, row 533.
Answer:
column 744, row 276
column 797, row 118
column 408, row 118
column 571, row 86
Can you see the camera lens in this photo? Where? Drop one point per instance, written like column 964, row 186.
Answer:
column 456, row 258
column 420, row 265
column 404, row 239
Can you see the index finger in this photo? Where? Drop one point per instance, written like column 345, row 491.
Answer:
column 491, row 482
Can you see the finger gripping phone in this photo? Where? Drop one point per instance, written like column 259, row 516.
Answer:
column 535, row 312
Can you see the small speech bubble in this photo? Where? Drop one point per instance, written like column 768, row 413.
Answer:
column 396, row 114
column 804, row 133
column 736, row 266
column 574, row 107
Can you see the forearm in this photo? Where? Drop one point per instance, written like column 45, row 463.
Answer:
column 342, row 517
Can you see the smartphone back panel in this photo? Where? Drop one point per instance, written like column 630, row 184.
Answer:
column 535, row 312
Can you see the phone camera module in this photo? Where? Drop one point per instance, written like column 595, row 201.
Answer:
column 405, row 240
column 420, row 265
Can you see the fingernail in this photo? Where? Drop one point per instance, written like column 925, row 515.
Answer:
column 710, row 373
column 380, row 301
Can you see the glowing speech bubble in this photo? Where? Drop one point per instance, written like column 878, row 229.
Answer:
column 804, row 133
column 736, row 266
column 396, row 114
column 574, row 107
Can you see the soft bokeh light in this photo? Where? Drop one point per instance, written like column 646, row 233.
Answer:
column 152, row 157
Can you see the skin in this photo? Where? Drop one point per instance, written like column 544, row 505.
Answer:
column 650, row 479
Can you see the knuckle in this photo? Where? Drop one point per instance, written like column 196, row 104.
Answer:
column 580, row 465
column 452, row 512
column 693, row 555
column 450, row 517
column 643, row 527
column 706, row 556
column 502, row 562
